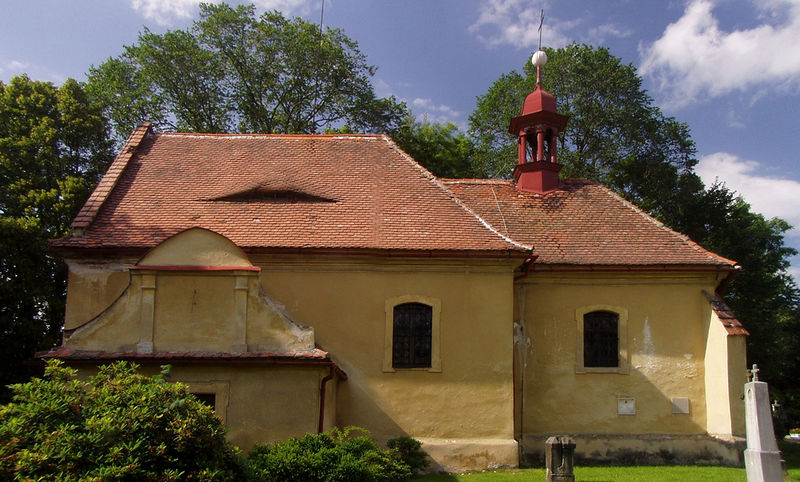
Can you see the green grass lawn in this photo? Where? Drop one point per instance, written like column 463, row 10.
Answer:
column 621, row 474
column 791, row 453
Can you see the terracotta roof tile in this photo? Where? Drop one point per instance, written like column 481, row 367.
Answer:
column 726, row 316
column 581, row 223
column 279, row 191
column 64, row 353
column 89, row 210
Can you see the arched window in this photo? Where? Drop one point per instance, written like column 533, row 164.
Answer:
column 601, row 339
column 411, row 335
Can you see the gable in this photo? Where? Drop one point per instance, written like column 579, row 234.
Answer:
column 196, row 292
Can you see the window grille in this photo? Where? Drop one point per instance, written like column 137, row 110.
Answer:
column 411, row 336
column 600, row 339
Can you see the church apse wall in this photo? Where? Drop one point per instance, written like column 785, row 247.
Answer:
column 652, row 388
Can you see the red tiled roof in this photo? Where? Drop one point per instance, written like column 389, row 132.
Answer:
column 315, row 357
column 581, row 223
column 279, row 192
column 64, row 353
column 726, row 316
column 110, row 178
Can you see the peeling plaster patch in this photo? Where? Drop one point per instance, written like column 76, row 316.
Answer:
column 523, row 343
column 648, row 350
column 95, row 268
column 303, row 334
column 687, row 369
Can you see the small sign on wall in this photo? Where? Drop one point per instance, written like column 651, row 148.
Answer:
column 680, row 406
column 626, row 406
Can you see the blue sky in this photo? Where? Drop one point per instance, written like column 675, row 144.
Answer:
column 729, row 68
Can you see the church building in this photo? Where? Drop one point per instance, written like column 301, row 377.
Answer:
column 300, row 282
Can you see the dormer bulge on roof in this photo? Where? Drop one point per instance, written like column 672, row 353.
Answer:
column 537, row 129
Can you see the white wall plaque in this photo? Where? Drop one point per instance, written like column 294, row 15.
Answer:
column 626, row 406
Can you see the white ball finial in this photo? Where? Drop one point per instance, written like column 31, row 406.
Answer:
column 539, row 58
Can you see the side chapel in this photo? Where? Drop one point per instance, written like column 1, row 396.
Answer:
column 300, row 282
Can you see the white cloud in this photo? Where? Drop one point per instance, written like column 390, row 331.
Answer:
column 166, row 12
column 770, row 196
column 382, row 88
column 289, row 7
column 794, row 272
column 427, row 109
column 696, row 59
column 15, row 66
column 515, row 22
column 600, row 33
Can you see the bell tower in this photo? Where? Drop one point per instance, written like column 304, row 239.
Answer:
column 537, row 129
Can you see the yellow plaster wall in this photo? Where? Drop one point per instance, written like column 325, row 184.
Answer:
column 166, row 310
column 666, row 341
column 117, row 328
column 737, row 377
column 92, row 287
column 344, row 300
column 193, row 312
column 258, row 404
column 726, row 374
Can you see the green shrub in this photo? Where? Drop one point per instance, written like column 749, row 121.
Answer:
column 116, row 425
column 410, row 451
column 335, row 456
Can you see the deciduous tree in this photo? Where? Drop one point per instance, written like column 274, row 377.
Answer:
column 53, row 147
column 236, row 71
column 441, row 148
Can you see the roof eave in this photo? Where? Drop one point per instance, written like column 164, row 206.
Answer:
column 69, row 252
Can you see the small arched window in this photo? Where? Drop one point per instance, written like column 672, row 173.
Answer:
column 411, row 335
column 601, row 339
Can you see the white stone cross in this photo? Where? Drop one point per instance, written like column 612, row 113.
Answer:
column 762, row 458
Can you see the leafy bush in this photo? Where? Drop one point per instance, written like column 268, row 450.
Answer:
column 335, row 456
column 116, row 425
column 410, row 451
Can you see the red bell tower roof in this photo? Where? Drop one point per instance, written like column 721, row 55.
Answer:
column 539, row 100
column 537, row 128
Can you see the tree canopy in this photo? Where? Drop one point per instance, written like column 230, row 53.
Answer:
column 234, row 71
column 117, row 425
column 441, row 148
column 53, row 147
column 618, row 136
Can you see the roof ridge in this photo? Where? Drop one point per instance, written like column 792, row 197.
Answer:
column 91, row 207
column 686, row 239
column 251, row 135
column 473, row 181
column 435, row 180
